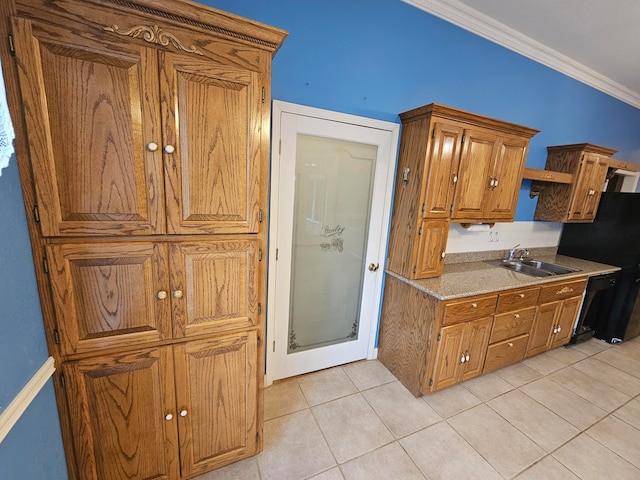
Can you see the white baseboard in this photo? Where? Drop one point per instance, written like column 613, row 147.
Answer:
column 19, row 404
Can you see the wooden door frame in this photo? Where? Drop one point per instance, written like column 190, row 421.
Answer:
column 278, row 108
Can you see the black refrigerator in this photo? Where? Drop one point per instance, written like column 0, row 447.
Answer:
column 613, row 238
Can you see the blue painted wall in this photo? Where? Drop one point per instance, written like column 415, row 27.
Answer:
column 371, row 58
column 383, row 57
column 33, row 448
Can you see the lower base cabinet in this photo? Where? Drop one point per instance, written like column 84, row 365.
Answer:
column 165, row 413
column 430, row 344
column 461, row 352
column 558, row 307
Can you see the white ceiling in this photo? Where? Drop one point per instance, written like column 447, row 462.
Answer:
column 594, row 41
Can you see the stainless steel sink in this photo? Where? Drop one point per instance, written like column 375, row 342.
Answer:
column 535, row 268
column 549, row 267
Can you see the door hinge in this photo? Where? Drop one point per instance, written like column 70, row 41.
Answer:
column 277, row 254
column 274, row 346
column 433, row 133
column 260, row 216
column 259, row 308
column 259, row 341
column 415, row 269
column 260, row 255
column 439, row 336
column 36, row 213
column 280, row 146
column 12, row 47
column 462, row 139
column 62, row 380
column 431, row 382
column 257, row 437
column 264, row 94
column 451, row 209
column 56, row 336
column 423, row 207
column 45, row 264
column 420, row 231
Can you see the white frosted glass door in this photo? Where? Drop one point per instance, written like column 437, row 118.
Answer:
column 331, row 189
column 332, row 203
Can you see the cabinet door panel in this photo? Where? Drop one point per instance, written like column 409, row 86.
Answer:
column 212, row 117
column 106, row 294
column 117, row 410
column 476, row 342
column 218, row 285
column 431, row 248
column 565, row 322
column 447, row 364
column 478, row 152
column 599, row 175
column 216, row 387
column 587, row 174
column 90, row 114
column 507, row 174
column 443, row 167
column 542, row 327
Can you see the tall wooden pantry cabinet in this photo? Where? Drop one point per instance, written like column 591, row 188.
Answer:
column 143, row 148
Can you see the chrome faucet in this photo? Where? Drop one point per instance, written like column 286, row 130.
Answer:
column 521, row 253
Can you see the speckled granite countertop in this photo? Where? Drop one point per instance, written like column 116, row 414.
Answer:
column 474, row 278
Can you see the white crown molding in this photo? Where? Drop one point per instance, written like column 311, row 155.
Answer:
column 476, row 22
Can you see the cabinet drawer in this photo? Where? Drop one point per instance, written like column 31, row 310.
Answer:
column 469, row 309
column 517, row 299
column 512, row 324
column 505, row 353
column 560, row 291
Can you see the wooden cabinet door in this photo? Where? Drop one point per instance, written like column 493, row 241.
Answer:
column 447, row 365
column 90, row 114
column 109, row 294
column 581, row 205
column 214, row 286
column 217, row 401
column 565, row 322
column 599, row 175
column 118, row 409
column 507, row 177
column 476, row 342
column 431, row 248
column 474, row 175
column 212, row 118
column 542, row 328
column 441, row 177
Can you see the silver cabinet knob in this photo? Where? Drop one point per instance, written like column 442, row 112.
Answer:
column 168, row 416
column 169, row 148
column 183, row 413
column 162, row 295
column 152, row 146
column 177, row 294
column 521, row 295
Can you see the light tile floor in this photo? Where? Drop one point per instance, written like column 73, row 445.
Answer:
column 572, row 413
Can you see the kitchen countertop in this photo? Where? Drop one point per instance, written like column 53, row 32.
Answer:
column 475, row 278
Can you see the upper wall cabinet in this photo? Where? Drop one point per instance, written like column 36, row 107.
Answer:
column 453, row 166
column 577, row 201
column 129, row 139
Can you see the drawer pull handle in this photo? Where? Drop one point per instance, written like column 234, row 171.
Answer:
column 152, row 146
column 474, row 305
column 462, row 358
column 564, row 290
column 168, row 416
column 517, row 315
column 183, row 413
column 467, row 357
column 177, row 294
column 521, row 295
column 510, row 344
column 162, row 295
